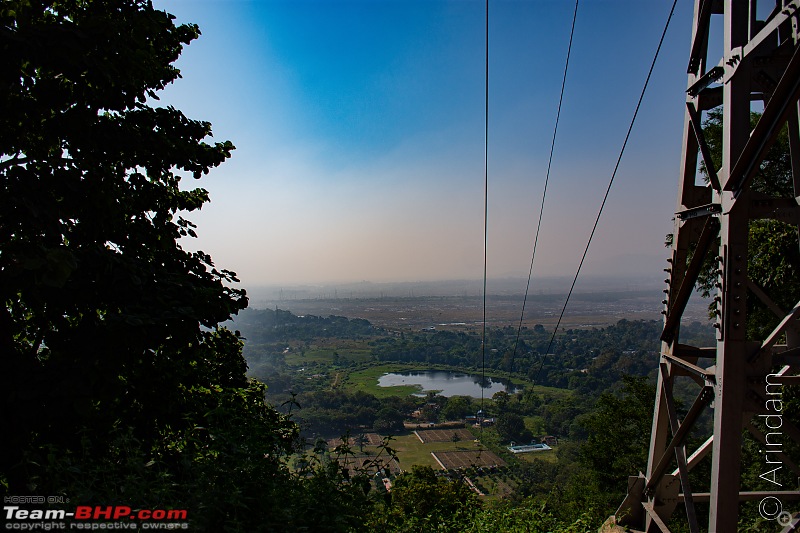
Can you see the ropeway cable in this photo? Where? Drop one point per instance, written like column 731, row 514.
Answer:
column 608, row 189
column 485, row 206
column 546, row 180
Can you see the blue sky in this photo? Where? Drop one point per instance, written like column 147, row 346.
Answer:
column 359, row 128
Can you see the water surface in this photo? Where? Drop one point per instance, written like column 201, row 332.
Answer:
column 448, row 383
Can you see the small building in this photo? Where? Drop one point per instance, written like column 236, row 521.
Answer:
column 550, row 440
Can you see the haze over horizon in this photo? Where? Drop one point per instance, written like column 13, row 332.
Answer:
column 359, row 133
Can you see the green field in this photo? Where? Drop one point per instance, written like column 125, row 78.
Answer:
column 326, row 351
column 366, row 380
column 548, row 456
column 411, row 451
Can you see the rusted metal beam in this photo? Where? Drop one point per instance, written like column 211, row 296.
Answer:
column 678, row 438
column 680, row 451
column 698, row 455
column 782, row 209
column 776, row 112
column 678, row 303
column 686, row 351
column 760, row 62
column 654, row 516
column 689, row 367
column 771, row 26
column 705, row 152
column 700, row 38
column 704, row 497
column 773, row 337
column 700, row 211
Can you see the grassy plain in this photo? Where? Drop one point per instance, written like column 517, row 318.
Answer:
column 418, row 305
column 366, row 380
column 324, row 351
column 548, row 456
column 411, row 451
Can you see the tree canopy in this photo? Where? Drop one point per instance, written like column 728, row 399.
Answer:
column 100, row 297
column 118, row 384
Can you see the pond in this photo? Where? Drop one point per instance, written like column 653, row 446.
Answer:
column 448, row 383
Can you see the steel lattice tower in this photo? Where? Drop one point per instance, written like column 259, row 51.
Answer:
column 760, row 62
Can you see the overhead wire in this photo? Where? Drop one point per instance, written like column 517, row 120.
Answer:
column 485, row 206
column 546, row 181
column 608, row 189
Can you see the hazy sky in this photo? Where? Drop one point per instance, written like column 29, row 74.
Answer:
column 359, row 128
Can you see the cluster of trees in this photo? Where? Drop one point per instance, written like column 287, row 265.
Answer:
column 267, row 326
column 587, row 360
column 332, row 413
column 118, row 384
column 576, row 493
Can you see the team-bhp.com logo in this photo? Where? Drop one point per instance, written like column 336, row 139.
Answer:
column 94, row 517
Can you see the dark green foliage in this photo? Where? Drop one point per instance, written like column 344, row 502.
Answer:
column 265, row 326
column 775, row 172
column 459, row 407
column 331, row 413
column 529, row 516
column 619, row 435
column 388, row 421
column 423, row 501
column 99, row 297
column 511, row 427
column 118, row 385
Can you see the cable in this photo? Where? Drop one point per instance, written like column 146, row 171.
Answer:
column 608, row 189
column 485, row 208
column 546, row 180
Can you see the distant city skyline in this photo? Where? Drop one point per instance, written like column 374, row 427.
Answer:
column 359, row 133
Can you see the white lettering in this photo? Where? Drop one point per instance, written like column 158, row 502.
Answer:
column 765, row 476
column 768, row 419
